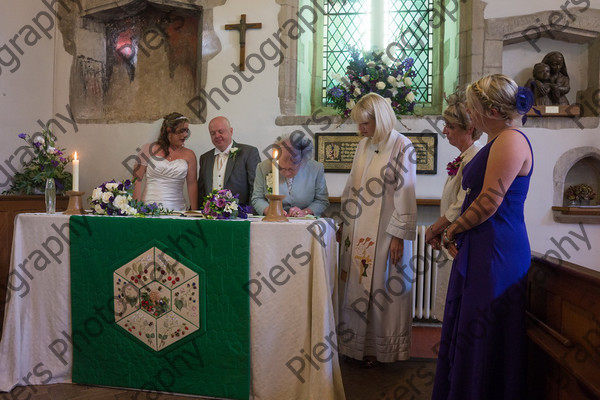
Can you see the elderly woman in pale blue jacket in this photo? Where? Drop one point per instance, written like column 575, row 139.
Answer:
column 301, row 179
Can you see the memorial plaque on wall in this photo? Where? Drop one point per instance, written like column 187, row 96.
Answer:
column 336, row 151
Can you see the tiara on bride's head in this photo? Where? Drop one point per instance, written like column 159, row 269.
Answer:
column 171, row 118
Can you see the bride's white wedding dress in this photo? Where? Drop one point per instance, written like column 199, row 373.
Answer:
column 164, row 183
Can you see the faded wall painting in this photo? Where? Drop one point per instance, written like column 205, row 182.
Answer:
column 136, row 60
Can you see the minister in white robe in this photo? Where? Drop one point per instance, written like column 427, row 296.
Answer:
column 379, row 213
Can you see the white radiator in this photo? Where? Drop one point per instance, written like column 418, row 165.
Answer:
column 424, row 290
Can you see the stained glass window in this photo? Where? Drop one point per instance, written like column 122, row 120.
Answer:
column 400, row 27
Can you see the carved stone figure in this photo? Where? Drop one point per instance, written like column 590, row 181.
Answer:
column 540, row 84
column 559, row 78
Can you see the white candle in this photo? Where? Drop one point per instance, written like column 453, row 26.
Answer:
column 275, row 169
column 75, row 173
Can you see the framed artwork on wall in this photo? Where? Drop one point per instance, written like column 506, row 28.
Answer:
column 336, row 151
column 426, row 151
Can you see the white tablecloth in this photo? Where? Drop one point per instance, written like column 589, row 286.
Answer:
column 292, row 328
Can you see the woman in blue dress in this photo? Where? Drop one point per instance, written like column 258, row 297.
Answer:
column 482, row 352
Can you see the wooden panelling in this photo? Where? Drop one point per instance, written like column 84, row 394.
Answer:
column 564, row 308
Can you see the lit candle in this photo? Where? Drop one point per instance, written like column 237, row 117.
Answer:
column 75, row 173
column 275, row 169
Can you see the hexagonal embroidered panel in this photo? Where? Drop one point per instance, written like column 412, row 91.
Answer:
column 157, row 299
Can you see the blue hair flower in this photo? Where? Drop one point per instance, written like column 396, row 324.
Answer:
column 524, row 102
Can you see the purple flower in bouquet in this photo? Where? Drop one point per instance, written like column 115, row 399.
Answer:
column 222, row 204
column 243, row 211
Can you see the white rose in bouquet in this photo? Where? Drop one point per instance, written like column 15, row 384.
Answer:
column 121, row 202
column 97, row 194
column 106, row 197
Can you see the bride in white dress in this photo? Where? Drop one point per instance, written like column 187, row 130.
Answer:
column 167, row 165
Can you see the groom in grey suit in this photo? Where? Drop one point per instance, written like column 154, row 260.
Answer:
column 229, row 165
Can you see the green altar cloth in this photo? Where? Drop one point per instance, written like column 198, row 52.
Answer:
column 157, row 304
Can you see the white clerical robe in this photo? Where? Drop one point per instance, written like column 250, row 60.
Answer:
column 378, row 202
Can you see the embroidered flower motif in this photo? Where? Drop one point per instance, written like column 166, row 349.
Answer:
column 453, row 166
column 233, row 152
column 362, row 253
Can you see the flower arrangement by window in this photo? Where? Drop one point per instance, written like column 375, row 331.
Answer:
column 222, row 204
column 582, row 191
column 369, row 72
column 115, row 198
column 46, row 161
column 453, row 166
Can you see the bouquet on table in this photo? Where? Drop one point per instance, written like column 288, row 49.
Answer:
column 370, row 73
column 222, row 204
column 115, row 198
column 46, row 162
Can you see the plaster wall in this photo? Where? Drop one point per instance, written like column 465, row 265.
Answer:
column 38, row 89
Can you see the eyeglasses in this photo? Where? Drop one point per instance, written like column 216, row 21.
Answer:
column 293, row 168
column 182, row 130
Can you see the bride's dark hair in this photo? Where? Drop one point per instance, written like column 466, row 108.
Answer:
column 170, row 122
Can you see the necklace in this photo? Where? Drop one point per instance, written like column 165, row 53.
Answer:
column 172, row 152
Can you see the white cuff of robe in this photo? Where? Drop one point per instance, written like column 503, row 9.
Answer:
column 403, row 227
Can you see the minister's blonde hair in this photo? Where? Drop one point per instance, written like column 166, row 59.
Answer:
column 374, row 107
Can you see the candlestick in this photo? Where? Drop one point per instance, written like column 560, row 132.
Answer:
column 75, row 173
column 275, row 213
column 275, row 170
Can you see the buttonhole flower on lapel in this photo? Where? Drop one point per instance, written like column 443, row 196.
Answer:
column 453, row 166
column 269, row 182
column 233, row 152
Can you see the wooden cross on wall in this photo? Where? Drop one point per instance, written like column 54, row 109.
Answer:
column 242, row 27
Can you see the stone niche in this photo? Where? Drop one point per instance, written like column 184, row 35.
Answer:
column 579, row 29
column 137, row 60
column 577, row 165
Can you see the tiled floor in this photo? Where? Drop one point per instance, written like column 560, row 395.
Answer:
column 411, row 379
column 403, row 380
